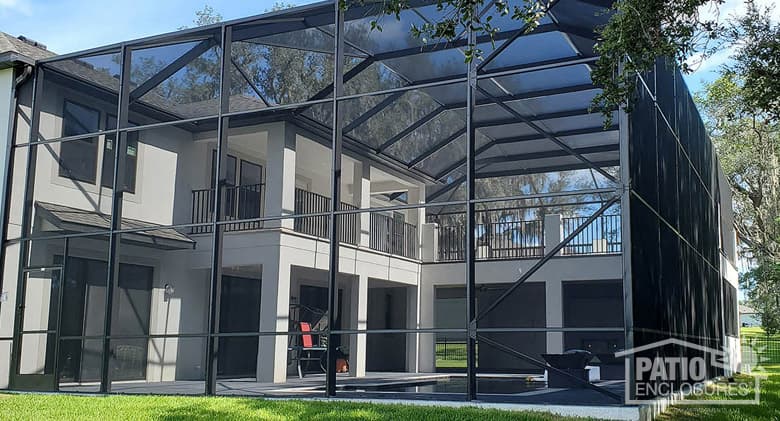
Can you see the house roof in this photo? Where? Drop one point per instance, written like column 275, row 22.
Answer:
column 16, row 49
column 80, row 220
column 743, row 309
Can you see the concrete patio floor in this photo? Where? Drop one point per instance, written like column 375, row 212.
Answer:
column 513, row 389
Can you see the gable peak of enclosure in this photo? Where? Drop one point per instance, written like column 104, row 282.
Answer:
column 259, row 199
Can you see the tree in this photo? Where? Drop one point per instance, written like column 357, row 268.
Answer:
column 636, row 34
column 740, row 110
column 748, row 144
column 763, row 291
column 757, row 59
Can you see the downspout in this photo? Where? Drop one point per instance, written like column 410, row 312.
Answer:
column 8, row 162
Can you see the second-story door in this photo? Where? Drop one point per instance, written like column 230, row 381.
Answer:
column 230, row 182
column 250, row 190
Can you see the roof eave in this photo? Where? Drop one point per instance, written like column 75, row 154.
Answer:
column 12, row 58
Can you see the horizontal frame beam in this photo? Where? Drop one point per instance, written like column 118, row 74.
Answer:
column 548, row 154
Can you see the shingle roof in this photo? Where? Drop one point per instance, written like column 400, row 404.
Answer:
column 11, row 45
column 70, row 218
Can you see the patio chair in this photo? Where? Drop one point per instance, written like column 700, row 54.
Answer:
column 304, row 349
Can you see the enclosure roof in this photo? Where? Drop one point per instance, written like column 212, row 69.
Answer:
column 404, row 98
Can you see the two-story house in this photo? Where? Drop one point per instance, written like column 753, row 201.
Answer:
column 218, row 209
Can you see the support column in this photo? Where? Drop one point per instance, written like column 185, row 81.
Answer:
column 427, row 342
column 359, row 317
column 429, row 239
column 412, row 322
column 361, row 192
column 274, row 317
column 553, row 232
column 416, row 196
column 280, row 175
column 554, row 315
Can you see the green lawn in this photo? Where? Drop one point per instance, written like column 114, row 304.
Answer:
column 756, row 331
column 63, row 407
column 769, row 409
column 68, row 407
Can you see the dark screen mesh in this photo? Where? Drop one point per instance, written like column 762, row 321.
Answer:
column 674, row 253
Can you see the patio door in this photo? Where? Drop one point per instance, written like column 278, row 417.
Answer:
column 36, row 330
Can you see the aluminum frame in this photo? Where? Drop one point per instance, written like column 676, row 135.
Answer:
column 126, row 96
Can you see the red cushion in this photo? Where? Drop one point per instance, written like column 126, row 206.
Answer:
column 306, row 339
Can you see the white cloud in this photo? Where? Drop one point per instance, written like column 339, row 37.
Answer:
column 725, row 12
column 18, row 6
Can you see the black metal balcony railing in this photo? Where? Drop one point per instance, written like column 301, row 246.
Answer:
column 394, row 236
column 602, row 236
column 500, row 235
column 309, row 202
column 241, row 202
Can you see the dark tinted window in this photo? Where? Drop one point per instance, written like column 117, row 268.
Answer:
column 78, row 158
column 107, row 178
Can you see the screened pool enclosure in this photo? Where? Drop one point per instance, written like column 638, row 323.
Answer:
column 294, row 204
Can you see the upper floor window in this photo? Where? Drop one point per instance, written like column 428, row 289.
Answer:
column 78, row 158
column 131, row 159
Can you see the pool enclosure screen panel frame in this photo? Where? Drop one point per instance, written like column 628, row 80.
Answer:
column 521, row 93
column 675, row 196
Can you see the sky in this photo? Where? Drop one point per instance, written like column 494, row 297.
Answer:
column 71, row 25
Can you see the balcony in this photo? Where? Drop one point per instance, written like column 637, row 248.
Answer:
column 386, row 234
column 241, row 202
column 501, row 234
column 309, row 202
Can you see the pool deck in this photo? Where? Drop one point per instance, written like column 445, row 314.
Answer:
column 384, row 388
column 494, row 388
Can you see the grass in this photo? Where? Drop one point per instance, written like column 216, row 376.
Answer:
column 768, row 409
column 68, row 407
column 451, row 355
column 756, row 331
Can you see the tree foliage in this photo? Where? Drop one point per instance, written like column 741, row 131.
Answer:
column 748, row 143
column 636, row 34
column 763, row 291
column 757, row 60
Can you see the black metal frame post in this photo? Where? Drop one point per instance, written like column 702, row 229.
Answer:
column 335, row 200
column 625, row 238
column 27, row 211
column 120, row 152
column 471, row 299
column 217, row 231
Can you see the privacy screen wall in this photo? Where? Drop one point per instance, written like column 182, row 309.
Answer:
column 674, row 219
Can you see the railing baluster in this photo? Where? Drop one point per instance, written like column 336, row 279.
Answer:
column 506, row 236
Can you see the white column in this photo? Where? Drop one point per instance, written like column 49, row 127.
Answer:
column 280, row 175
column 412, row 322
column 427, row 346
column 429, row 237
column 553, row 232
column 361, row 190
column 359, row 317
column 416, row 195
column 274, row 317
column 554, row 315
